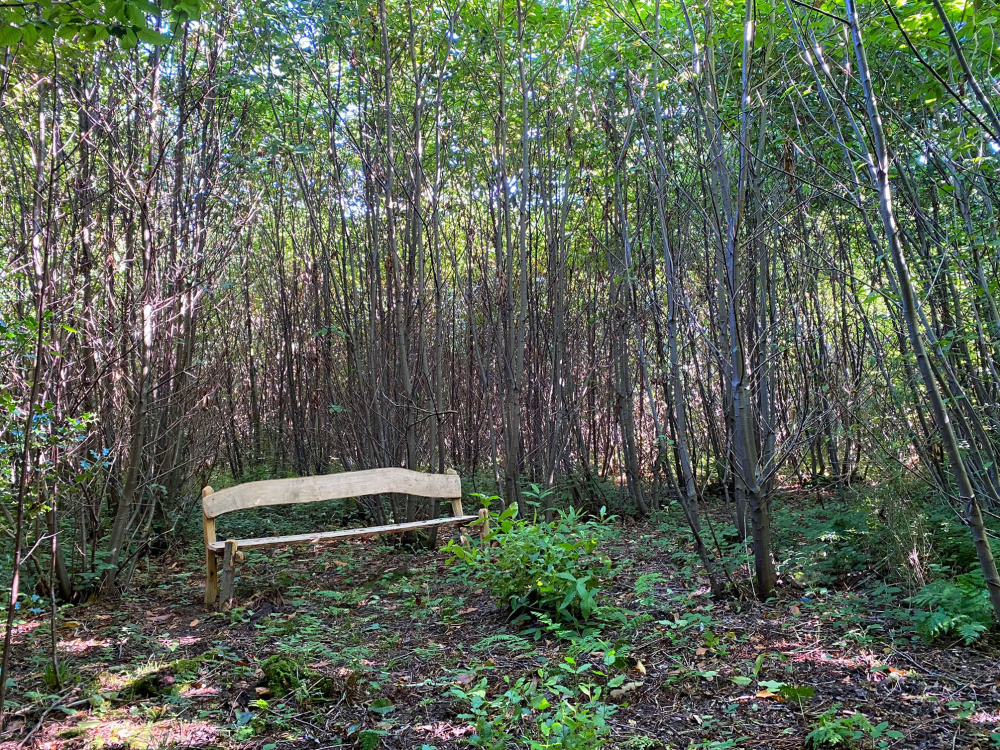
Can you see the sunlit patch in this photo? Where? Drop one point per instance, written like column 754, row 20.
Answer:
column 79, row 646
column 198, row 690
column 112, row 681
column 172, row 643
column 116, row 681
column 986, row 717
column 26, row 627
column 443, row 730
column 149, row 735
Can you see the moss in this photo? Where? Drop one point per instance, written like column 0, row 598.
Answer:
column 167, row 680
column 284, row 675
column 187, row 668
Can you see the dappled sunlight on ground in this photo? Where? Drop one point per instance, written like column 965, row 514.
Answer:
column 80, row 646
column 384, row 641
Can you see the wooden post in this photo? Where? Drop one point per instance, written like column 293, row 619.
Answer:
column 484, row 529
column 456, row 502
column 228, row 582
column 211, row 561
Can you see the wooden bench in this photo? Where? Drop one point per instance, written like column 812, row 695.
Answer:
column 310, row 490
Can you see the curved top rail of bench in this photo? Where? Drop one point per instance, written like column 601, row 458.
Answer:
column 330, row 487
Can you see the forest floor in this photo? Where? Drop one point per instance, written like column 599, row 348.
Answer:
column 379, row 647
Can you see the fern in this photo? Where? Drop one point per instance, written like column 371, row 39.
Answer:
column 646, row 584
column 960, row 606
column 503, row 640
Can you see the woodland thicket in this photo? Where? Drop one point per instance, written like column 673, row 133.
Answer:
column 697, row 250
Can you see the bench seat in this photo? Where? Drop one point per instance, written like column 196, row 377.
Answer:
column 325, row 536
column 269, row 492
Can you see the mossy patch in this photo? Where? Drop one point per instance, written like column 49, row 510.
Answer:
column 167, row 680
column 285, row 675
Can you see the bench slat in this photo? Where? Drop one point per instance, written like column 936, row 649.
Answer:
column 330, row 487
column 396, row 528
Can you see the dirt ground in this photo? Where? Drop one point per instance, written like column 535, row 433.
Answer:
column 386, row 633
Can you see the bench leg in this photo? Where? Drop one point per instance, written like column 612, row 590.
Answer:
column 227, row 583
column 484, row 529
column 211, row 561
column 211, row 578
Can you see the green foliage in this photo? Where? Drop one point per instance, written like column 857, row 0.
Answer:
column 831, row 730
column 534, row 566
column 645, row 588
column 558, row 709
column 960, row 606
column 130, row 22
column 894, row 529
column 60, row 677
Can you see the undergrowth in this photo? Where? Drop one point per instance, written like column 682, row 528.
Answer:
column 538, row 566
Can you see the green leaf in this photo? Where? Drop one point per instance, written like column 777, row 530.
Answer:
column 798, row 694
column 9, row 36
column 153, row 37
column 382, row 706
column 135, row 16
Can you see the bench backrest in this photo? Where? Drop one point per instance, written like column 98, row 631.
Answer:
column 331, row 487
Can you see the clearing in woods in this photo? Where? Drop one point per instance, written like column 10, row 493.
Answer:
column 362, row 644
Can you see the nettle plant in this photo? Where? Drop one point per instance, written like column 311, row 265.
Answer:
column 539, row 566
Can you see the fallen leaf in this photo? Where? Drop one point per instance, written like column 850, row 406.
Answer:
column 640, row 667
column 193, row 623
column 769, row 694
column 628, row 687
column 262, row 690
column 701, row 651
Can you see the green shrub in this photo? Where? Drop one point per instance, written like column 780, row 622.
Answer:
column 536, row 566
column 831, row 730
column 960, row 606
